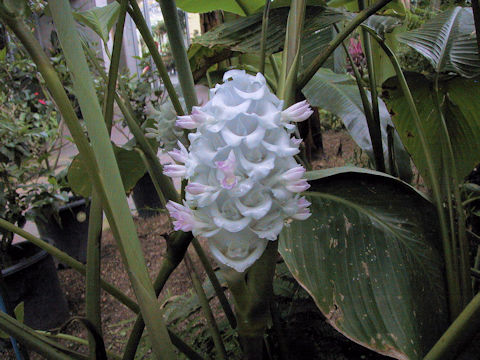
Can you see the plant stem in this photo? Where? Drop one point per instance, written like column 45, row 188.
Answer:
column 69, row 261
column 263, row 41
column 454, row 294
column 458, row 334
column 177, row 46
column 92, row 287
column 36, row 342
column 174, row 256
column 76, row 339
column 176, row 249
column 205, row 305
column 375, row 130
column 253, row 292
column 349, row 28
column 453, row 181
column 114, row 64
column 215, row 283
column 367, row 106
column 136, row 14
column 166, row 184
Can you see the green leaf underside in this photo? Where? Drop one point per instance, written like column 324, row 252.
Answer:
column 462, row 115
column 129, row 162
column 235, row 6
column 369, row 256
column 448, row 41
column 99, row 19
column 243, row 34
column 339, row 94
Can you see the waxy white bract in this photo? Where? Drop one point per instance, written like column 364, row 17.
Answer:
column 243, row 181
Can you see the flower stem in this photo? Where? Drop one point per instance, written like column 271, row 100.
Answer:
column 177, row 46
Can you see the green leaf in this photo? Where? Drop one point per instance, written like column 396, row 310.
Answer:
column 99, row 19
column 19, row 315
column 239, row 7
column 129, row 162
column 448, row 41
column 339, row 94
column 369, row 256
column 462, row 113
column 20, row 312
column 244, row 34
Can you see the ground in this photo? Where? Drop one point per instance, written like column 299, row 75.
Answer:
column 117, row 319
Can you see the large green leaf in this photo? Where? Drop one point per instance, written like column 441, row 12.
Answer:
column 239, row 7
column 244, row 34
column 129, row 162
column 339, row 94
column 462, row 114
column 99, row 19
column 370, row 258
column 448, row 41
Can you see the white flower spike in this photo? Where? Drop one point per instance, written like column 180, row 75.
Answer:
column 243, row 181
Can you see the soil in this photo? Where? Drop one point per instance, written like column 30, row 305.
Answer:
column 117, row 319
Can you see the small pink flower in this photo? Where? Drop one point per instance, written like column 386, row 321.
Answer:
column 174, row 170
column 179, row 155
column 302, row 212
column 35, row 93
column 192, row 121
column 145, row 69
column 295, row 173
column 183, row 215
column 228, row 168
column 297, row 112
column 296, row 141
column 196, row 188
column 41, row 101
column 297, row 186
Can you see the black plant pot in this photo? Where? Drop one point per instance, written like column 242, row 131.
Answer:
column 70, row 232
column 33, row 280
column 146, row 198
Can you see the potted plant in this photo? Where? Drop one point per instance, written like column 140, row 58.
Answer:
column 60, row 216
column 27, row 126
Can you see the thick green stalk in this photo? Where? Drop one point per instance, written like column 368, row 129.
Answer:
column 205, row 305
column 291, row 51
column 176, row 249
column 349, row 28
column 454, row 294
column 263, row 41
column 252, row 292
column 114, row 64
column 465, row 326
column 36, row 342
column 375, row 130
column 177, row 46
column 136, row 14
column 115, row 203
column 92, row 287
column 215, row 283
column 166, row 184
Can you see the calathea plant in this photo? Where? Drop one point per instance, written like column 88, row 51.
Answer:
column 368, row 253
